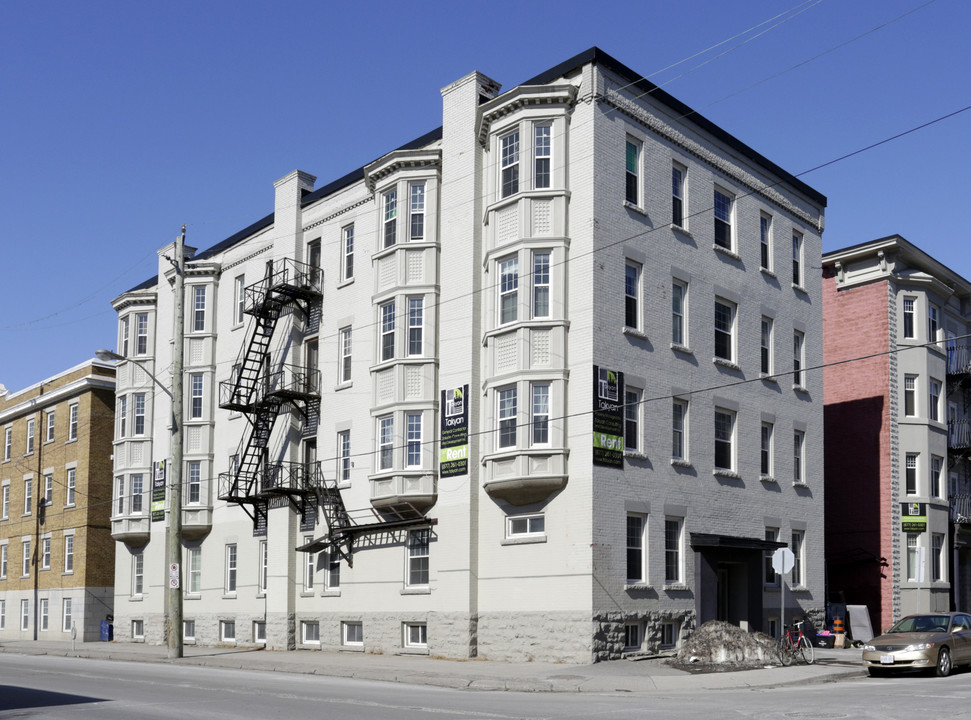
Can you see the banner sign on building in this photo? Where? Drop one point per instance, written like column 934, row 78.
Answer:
column 913, row 517
column 158, row 491
column 608, row 417
column 454, row 448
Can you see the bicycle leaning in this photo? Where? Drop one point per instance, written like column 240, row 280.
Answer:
column 793, row 643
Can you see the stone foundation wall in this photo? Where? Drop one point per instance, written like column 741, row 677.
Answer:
column 609, row 637
column 540, row 637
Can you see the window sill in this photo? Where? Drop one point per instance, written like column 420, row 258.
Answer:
column 330, row 593
column 638, row 586
column 345, row 283
column 800, row 389
column 135, row 598
column 72, row 440
column 523, row 540
column 725, row 473
column 683, row 231
column 726, row 363
column 800, row 288
column 768, row 273
column 343, row 386
column 765, row 377
column 635, row 454
column 725, row 251
column 681, row 463
column 634, row 332
column 229, row 596
column 768, row 480
column 67, row 572
column 416, row 591
column 682, row 349
column 192, row 596
column 675, row 587
column 799, row 484
column 636, row 208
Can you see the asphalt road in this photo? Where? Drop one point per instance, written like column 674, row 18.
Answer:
column 56, row 687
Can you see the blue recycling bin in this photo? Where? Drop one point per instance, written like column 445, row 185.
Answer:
column 107, row 631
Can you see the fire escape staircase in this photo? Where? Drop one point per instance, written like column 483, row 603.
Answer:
column 959, row 382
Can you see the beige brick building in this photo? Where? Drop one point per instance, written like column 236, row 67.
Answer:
column 56, row 551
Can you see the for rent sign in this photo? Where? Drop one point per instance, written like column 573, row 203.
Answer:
column 608, row 417
column 454, row 448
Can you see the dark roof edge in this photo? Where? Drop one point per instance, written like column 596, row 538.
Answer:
column 598, row 56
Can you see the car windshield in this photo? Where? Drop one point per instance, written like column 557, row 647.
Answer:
column 921, row 623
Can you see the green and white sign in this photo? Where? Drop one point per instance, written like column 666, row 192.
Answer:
column 453, row 454
column 158, row 491
column 608, row 417
column 913, row 517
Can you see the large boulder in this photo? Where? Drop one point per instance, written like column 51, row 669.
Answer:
column 718, row 643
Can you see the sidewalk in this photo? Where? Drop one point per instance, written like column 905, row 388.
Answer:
column 616, row 676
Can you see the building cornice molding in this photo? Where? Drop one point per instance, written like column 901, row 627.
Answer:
column 342, row 211
column 56, row 395
column 521, row 97
column 398, row 160
column 136, row 299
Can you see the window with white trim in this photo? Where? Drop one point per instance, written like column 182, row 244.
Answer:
column 724, row 439
column 45, row 553
column 798, row 457
column 724, row 330
column 124, row 331
column 120, row 495
column 765, row 465
column 910, row 395
column 766, row 346
column 798, row 547
column 195, row 399
column 123, row 416
column 798, row 358
column 542, row 155
column 72, row 424
column 194, row 566
column 909, row 326
column 387, row 330
column 413, row 428
column 3, row 614
column 198, row 308
column 345, row 354
column 540, row 413
column 910, row 473
column 508, row 289
column 938, row 558
column 673, row 550
column 765, row 241
column 48, row 489
column 770, row 576
column 229, row 586
column 797, row 259
column 49, row 417
column 934, row 400
column 332, row 578
column 310, row 632
column 193, row 494
column 632, row 171
column 933, row 322
column 509, row 164
column 632, row 418
column 678, row 216
column 913, row 566
column 7, row 442
column 30, row 437
column 3, row 560
column 227, row 630
column 239, row 299
column 347, row 252
column 670, row 630
column 524, row 526
column 632, row 294
column 68, row 553
column 418, row 551
column 724, row 211
column 679, row 313
column 386, row 442
column 390, row 217
column 264, row 569
column 5, row 504
column 310, row 565
column 344, row 456
column 137, row 573
column 28, row 495
column 352, row 633
column 138, row 629
column 415, row 635
column 416, row 323
column 25, row 557
column 72, row 483
column 259, row 631
column 507, row 417
column 189, row 631
column 416, row 211
column 636, row 548
column 138, row 421
column 679, row 429
column 937, row 468
column 141, row 333
column 541, row 284
column 632, row 636
column 24, row 614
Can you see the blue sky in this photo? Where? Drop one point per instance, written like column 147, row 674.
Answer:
column 120, row 121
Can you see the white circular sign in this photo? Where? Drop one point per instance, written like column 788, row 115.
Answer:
column 783, row 560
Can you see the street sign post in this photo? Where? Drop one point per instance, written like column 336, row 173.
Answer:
column 782, row 561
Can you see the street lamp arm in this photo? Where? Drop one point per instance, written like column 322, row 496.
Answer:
column 109, row 355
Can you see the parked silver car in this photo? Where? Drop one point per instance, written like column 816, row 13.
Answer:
column 935, row 641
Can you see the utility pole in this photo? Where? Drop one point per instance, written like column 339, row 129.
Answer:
column 173, row 546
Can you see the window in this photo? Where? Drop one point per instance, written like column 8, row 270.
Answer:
column 771, row 577
column 937, row 557
column 632, row 414
column 239, row 299
column 141, row 334
column 344, row 456
column 632, row 172
column 632, row 276
column 30, row 436
column 387, row 330
column 679, row 435
column 124, row 335
column 390, row 218
column 416, row 314
column 68, row 553
column 313, row 260
column 227, row 630
column 138, row 629
column 913, row 558
column 264, row 567
column 139, row 412
column 679, row 294
column 137, row 574
column 509, row 164
column 45, row 553
column 672, row 550
column 413, row 428
column 5, row 506
column 48, row 489
column 386, row 442
column 934, row 405
column 194, row 566
column 677, row 195
column 8, row 442
column 636, row 565
column 230, row 584
column 72, row 426
column 541, row 284
column 669, row 634
column 195, row 383
column 189, row 630
column 723, row 219
column 123, row 416
column 310, row 632
column 910, row 471
column 910, row 395
column 418, row 557
column 347, row 253
column 632, row 637
column 120, row 482
column 416, row 211
column 198, row 308
column 416, row 635
column 766, row 341
column 541, row 414
column 24, row 614
column 765, row 467
column 507, row 417
column 25, row 566
column 259, row 631
column 50, row 427
column 937, row 466
column 724, row 330
column 518, row 526
column 193, row 495
column 724, row 438
column 542, row 155
column 28, row 495
column 3, row 614
column 508, row 290
column 71, row 486
column 765, row 244
column 933, row 325
column 796, row 259
column 798, row 551
column 310, row 564
column 909, row 331
column 345, row 354
column 798, row 359
column 3, row 561
column 332, row 579
column 352, row 633
column 311, row 361
column 798, row 459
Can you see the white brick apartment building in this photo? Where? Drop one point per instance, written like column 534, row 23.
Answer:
column 400, row 369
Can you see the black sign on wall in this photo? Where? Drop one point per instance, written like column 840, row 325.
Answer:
column 454, row 448
column 158, row 491
column 608, row 417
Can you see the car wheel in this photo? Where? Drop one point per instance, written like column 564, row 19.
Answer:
column 877, row 672
column 943, row 662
